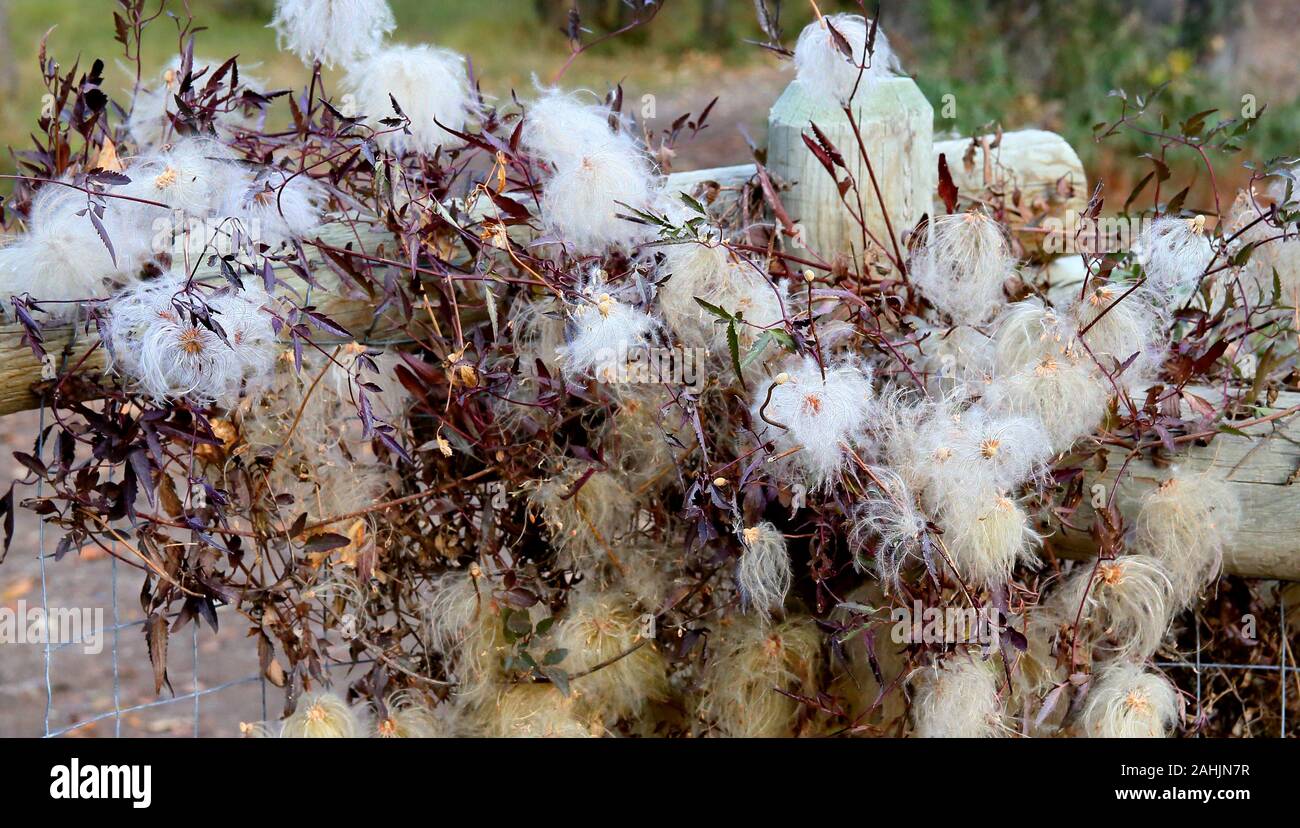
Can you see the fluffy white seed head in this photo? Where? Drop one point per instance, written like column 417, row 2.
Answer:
column 957, row 699
column 889, row 518
column 171, row 356
column 602, row 331
column 430, row 85
column 588, row 525
column 1127, row 702
column 1127, row 605
column 61, row 257
column 322, row 715
column 539, row 711
column 748, row 659
column 1028, row 332
column 996, row 449
column 1185, row 523
column 332, row 31
column 584, row 197
column 961, row 264
column 1122, row 325
column 1065, row 395
column 274, row 207
column 410, row 717
column 955, row 358
column 817, row 417
column 193, row 175
column 705, row 269
column 825, row 70
column 453, row 608
column 986, row 534
column 597, row 628
column 1175, row 253
column 560, row 128
column 763, row 573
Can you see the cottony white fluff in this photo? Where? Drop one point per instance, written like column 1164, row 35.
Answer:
column 705, row 269
column 815, row 418
column 193, row 175
column 995, row 449
column 1066, row 395
column 986, row 534
column 955, row 357
column 150, row 123
column 274, row 208
column 409, row 717
column 918, row 436
column 1122, row 326
column 1127, row 604
column 538, row 711
column 602, row 331
column 157, row 345
column 1185, row 523
column 1127, row 702
column 430, row 85
column 332, row 31
column 824, row 70
column 1027, row 333
column 559, row 128
column 1175, row 253
column 961, row 265
column 452, row 610
column 748, row 660
column 583, row 198
column 61, row 258
column 957, row 699
column 594, row 171
column 891, row 517
column 763, row 574
column 601, row 628
column 322, row 715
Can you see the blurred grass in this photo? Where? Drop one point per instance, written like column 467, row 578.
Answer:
column 1046, row 63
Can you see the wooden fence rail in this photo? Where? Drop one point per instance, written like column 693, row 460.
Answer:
column 1036, row 170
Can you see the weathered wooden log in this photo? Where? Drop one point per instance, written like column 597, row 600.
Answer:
column 895, row 124
column 1261, row 470
column 1041, row 166
column 1036, row 175
column 23, row 377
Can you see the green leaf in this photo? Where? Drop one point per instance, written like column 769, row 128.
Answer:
column 759, row 346
column 506, row 630
column 783, row 338
column 544, row 625
column 693, row 204
column 554, row 656
column 715, row 310
column 519, row 624
column 559, row 678
column 733, row 345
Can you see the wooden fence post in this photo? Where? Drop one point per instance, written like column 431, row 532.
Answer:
column 896, row 123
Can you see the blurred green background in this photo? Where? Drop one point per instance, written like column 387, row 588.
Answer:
column 1047, row 64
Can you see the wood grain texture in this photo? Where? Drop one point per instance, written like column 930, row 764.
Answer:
column 1258, row 470
column 896, row 123
column 1042, row 165
column 1037, row 172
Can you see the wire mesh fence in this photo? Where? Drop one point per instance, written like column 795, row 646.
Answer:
column 191, row 689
